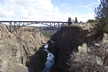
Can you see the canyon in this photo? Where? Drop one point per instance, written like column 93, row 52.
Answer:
column 23, row 50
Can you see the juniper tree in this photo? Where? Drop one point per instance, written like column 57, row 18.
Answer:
column 69, row 21
column 76, row 20
column 102, row 14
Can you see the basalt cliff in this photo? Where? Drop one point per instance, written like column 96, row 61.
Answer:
column 16, row 48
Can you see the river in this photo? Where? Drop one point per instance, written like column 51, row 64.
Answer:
column 50, row 58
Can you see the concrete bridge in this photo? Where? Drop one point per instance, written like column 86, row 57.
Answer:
column 13, row 25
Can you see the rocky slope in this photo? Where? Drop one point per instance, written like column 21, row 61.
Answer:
column 17, row 47
column 67, row 40
column 92, row 58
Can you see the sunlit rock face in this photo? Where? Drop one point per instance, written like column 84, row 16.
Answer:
column 18, row 46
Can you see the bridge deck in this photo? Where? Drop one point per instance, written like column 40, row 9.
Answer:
column 17, row 24
column 37, row 21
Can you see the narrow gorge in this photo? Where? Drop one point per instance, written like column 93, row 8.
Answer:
column 61, row 45
column 27, row 50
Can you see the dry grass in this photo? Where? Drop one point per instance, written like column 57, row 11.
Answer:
column 94, row 60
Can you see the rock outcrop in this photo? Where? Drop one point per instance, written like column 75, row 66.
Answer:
column 68, row 39
column 17, row 47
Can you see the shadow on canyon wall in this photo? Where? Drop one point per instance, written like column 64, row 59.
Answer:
column 66, row 40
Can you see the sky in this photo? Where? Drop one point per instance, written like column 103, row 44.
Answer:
column 47, row 10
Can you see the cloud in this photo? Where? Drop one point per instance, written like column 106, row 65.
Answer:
column 98, row 1
column 29, row 9
column 35, row 10
column 88, row 6
column 64, row 5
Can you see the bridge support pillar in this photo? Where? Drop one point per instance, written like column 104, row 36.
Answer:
column 14, row 25
column 54, row 25
column 23, row 23
column 50, row 24
column 10, row 26
column 58, row 27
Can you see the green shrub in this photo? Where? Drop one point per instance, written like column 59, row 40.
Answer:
column 91, row 21
column 47, row 33
column 101, row 15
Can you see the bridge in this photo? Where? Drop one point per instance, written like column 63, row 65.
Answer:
column 13, row 25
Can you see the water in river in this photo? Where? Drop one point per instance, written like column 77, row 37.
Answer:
column 50, row 59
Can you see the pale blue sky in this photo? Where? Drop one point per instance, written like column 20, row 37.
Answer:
column 53, row 10
column 77, row 7
column 81, row 6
